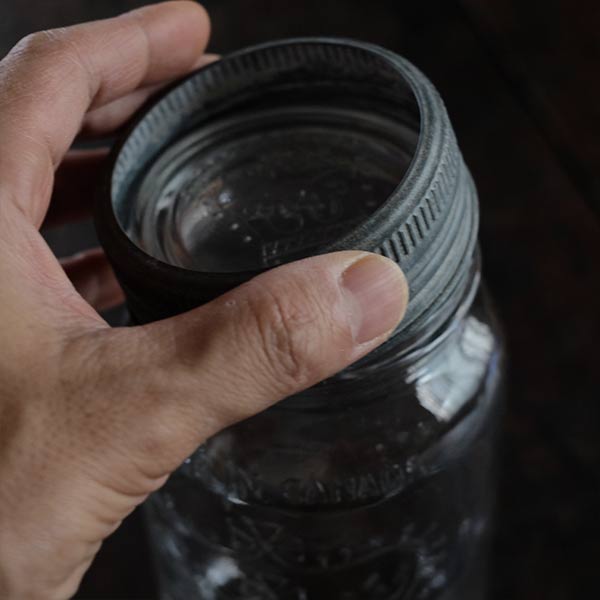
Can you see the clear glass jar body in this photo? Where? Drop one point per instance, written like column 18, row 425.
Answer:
column 377, row 484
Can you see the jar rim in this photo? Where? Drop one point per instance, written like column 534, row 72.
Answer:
column 411, row 227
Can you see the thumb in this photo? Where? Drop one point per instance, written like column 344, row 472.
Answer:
column 285, row 330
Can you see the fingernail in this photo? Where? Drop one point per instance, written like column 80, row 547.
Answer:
column 378, row 295
column 205, row 59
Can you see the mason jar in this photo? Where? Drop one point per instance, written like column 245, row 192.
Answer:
column 377, row 483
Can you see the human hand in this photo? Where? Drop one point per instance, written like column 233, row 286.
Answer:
column 94, row 418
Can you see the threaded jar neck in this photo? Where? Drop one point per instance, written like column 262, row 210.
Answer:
column 359, row 115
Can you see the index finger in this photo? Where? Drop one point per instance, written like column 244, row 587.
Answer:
column 50, row 80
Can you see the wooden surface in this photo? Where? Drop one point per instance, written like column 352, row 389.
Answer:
column 520, row 79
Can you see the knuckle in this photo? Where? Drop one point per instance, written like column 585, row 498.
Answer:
column 42, row 42
column 281, row 326
column 58, row 48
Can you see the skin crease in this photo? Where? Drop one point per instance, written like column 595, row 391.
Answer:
column 93, row 418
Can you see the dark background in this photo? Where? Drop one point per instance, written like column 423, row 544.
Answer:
column 522, row 83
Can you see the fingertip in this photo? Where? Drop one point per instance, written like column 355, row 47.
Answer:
column 374, row 289
column 180, row 30
column 186, row 8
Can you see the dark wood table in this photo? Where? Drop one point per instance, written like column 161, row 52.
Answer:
column 520, row 79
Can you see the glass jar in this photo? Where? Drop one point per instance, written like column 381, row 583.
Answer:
column 377, row 483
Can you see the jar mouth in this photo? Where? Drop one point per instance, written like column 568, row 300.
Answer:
column 186, row 214
column 283, row 167
column 265, row 186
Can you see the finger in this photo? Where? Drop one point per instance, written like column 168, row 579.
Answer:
column 75, row 184
column 93, row 278
column 77, row 179
column 289, row 328
column 50, row 80
column 113, row 115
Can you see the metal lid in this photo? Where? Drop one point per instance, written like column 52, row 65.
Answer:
column 427, row 223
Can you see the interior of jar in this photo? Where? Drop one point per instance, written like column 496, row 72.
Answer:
column 239, row 170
